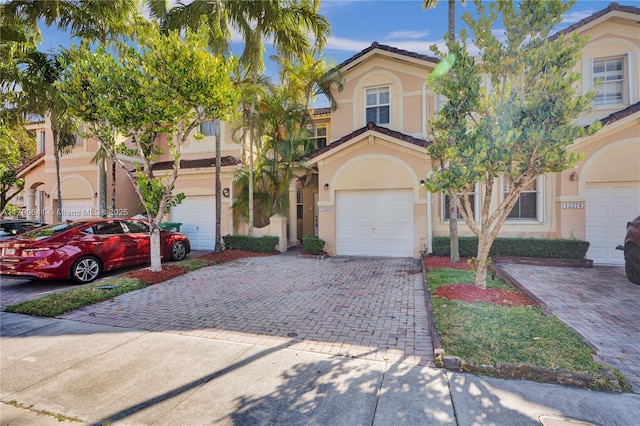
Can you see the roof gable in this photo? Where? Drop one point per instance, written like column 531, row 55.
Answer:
column 390, row 52
column 370, row 127
column 613, row 8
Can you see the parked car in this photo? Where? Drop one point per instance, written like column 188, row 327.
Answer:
column 82, row 250
column 631, row 249
column 12, row 227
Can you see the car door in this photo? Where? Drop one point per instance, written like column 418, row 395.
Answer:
column 108, row 243
column 138, row 237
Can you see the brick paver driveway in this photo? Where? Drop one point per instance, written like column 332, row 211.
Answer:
column 358, row 307
column 599, row 303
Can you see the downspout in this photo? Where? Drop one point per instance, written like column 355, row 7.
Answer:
column 429, row 212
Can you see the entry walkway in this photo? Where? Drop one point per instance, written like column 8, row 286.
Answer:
column 369, row 308
column 599, row 303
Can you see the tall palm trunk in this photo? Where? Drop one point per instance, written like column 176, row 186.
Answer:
column 218, row 247
column 113, row 187
column 103, row 187
column 56, row 156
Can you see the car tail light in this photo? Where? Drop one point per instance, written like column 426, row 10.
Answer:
column 34, row 250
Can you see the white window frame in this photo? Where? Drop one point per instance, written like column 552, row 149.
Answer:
column 378, row 104
column 212, row 126
column 316, row 137
column 476, row 205
column 540, row 201
column 42, row 138
column 628, row 86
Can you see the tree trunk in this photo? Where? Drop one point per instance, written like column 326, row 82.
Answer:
column 482, row 260
column 56, row 155
column 453, row 229
column 251, row 182
column 218, row 246
column 452, row 20
column 103, row 187
column 113, row 187
column 154, row 246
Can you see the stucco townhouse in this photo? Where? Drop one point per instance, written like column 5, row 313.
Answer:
column 365, row 197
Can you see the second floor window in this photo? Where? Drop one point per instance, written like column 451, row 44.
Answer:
column 610, row 73
column 377, row 105
column 208, row 128
column 320, row 136
column 41, row 140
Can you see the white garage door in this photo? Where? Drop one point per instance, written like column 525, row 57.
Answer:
column 608, row 209
column 198, row 217
column 374, row 223
column 77, row 209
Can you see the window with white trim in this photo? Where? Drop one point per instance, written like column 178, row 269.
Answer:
column 377, row 105
column 299, row 205
column 320, row 136
column 208, row 128
column 529, row 205
column 41, row 141
column 610, row 73
column 473, row 198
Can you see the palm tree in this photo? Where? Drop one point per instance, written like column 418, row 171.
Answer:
column 291, row 26
column 453, row 207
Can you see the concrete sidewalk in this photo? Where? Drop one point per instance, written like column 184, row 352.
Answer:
column 55, row 371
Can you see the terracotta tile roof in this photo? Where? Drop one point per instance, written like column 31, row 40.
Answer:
column 321, row 111
column 29, row 163
column 376, row 45
column 612, row 6
column 196, row 164
column 375, row 128
column 619, row 115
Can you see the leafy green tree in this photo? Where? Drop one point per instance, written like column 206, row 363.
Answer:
column 166, row 85
column 294, row 27
column 16, row 147
column 521, row 127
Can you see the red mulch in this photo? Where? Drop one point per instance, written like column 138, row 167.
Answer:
column 436, row 262
column 172, row 271
column 472, row 294
column 229, row 255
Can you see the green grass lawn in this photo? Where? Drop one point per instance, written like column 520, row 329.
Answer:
column 488, row 334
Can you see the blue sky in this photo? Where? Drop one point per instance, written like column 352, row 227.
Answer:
column 355, row 24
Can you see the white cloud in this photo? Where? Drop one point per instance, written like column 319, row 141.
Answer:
column 407, row 34
column 347, row 45
column 573, row 17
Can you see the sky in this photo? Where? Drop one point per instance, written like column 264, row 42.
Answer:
column 404, row 24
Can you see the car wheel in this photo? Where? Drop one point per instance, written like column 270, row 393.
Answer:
column 178, row 250
column 632, row 264
column 86, row 269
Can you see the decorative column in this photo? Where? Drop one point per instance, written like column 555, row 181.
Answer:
column 293, row 213
column 30, row 204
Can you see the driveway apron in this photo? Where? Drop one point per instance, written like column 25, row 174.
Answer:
column 599, row 303
column 369, row 308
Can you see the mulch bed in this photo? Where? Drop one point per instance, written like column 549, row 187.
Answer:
column 472, row 294
column 436, row 262
column 469, row 292
column 172, row 271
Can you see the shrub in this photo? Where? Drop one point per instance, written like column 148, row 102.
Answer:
column 556, row 248
column 313, row 245
column 266, row 244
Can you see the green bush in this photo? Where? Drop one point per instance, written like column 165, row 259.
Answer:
column 556, row 248
column 266, row 244
column 313, row 245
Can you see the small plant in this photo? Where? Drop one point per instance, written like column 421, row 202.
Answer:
column 313, row 245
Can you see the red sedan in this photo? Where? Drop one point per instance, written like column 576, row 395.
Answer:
column 83, row 249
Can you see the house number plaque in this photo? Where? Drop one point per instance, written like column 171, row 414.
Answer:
column 326, row 209
column 573, row 205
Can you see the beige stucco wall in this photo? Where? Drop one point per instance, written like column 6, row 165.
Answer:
column 408, row 95
column 372, row 162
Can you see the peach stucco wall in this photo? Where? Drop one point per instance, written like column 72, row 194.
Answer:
column 372, row 162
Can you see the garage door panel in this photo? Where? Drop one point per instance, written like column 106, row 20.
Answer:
column 609, row 206
column 197, row 215
column 374, row 223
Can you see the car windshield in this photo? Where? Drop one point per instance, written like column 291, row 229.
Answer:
column 49, row 231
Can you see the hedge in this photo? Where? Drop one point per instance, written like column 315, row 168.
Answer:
column 265, row 244
column 313, row 245
column 556, row 248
